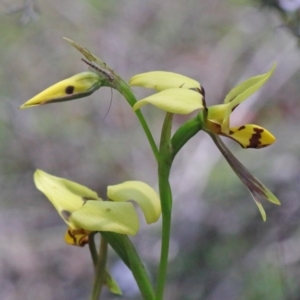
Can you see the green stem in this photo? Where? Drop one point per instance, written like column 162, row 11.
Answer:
column 164, row 167
column 126, row 251
column 93, row 248
column 100, row 270
column 184, row 133
column 165, row 193
column 125, row 90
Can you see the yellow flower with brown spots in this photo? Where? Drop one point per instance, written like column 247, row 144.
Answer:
column 177, row 94
column 84, row 212
column 248, row 135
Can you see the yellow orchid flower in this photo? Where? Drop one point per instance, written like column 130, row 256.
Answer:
column 84, row 212
column 247, row 135
column 176, row 95
column 216, row 122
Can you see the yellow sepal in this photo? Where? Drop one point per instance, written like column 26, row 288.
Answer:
column 65, row 195
column 161, row 80
column 244, row 90
column 106, row 216
column 140, row 192
column 175, row 100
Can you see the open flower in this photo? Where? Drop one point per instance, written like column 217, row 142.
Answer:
column 84, row 212
column 247, row 135
column 176, row 93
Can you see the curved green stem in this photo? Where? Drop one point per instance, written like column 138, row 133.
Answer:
column 125, row 90
column 126, row 251
column 100, row 270
column 184, row 133
column 164, row 167
column 93, row 248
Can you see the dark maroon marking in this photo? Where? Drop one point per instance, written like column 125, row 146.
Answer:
column 83, row 241
column 66, row 214
column 202, row 91
column 241, row 128
column 234, row 108
column 255, row 138
column 69, row 89
column 231, row 132
column 72, row 236
column 109, row 76
column 85, row 198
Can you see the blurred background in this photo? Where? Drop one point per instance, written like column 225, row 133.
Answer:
column 220, row 247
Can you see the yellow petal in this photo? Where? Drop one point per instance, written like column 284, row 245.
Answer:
column 140, row 192
column 244, row 90
column 161, row 80
column 77, row 237
column 65, row 195
column 77, row 86
column 176, row 101
column 106, row 216
column 251, row 136
column 216, row 113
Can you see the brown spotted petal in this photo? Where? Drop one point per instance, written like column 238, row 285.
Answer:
column 250, row 136
column 256, row 188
